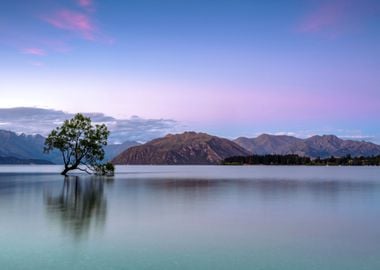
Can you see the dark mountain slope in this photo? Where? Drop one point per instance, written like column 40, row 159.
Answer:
column 185, row 148
column 25, row 147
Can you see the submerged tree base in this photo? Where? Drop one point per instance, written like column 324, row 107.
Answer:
column 107, row 169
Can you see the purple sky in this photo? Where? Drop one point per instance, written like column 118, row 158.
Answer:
column 230, row 68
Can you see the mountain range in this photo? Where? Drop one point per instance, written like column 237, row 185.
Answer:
column 201, row 148
column 24, row 149
column 188, row 148
column 315, row 146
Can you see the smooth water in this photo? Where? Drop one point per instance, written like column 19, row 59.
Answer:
column 191, row 217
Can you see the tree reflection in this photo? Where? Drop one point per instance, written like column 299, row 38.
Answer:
column 80, row 205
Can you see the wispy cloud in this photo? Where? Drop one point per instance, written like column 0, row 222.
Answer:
column 85, row 3
column 74, row 21
column 368, row 138
column 328, row 15
column 336, row 16
column 42, row 121
column 34, row 51
column 285, row 133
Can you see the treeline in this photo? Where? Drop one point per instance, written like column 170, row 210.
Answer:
column 300, row 160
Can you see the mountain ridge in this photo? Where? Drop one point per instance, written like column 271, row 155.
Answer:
column 25, row 147
column 202, row 148
column 189, row 148
column 314, row 146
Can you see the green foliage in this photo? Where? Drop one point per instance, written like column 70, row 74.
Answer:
column 298, row 160
column 80, row 143
column 105, row 169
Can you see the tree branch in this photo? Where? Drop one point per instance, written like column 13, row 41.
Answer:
column 83, row 170
column 64, row 158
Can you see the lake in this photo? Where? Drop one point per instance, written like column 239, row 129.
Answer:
column 191, row 217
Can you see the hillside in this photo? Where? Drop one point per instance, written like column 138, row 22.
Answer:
column 185, row 148
column 24, row 147
column 316, row 146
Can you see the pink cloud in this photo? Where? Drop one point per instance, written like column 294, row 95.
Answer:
column 336, row 16
column 327, row 17
column 85, row 3
column 77, row 22
column 34, row 51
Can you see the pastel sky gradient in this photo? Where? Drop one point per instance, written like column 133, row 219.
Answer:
column 230, row 68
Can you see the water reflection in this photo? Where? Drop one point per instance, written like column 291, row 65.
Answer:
column 265, row 190
column 262, row 186
column 80, row 205
column 212, row 218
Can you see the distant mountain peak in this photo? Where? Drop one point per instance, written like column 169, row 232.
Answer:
column 16, row 147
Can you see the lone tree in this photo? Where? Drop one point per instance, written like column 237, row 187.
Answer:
column 81, row 145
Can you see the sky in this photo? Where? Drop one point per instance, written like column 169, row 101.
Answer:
column 229, row 68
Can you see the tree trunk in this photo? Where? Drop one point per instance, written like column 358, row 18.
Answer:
column 67, row 168
column 64, row 172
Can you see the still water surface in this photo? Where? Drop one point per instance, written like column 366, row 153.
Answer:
column 191, row 217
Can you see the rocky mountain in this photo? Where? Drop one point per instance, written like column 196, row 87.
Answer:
column 316, row 146
column 185, row 148
column 269, row 144
column 14, row 147
column 330, row 145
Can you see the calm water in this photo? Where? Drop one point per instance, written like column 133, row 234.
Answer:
column 192, row 217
